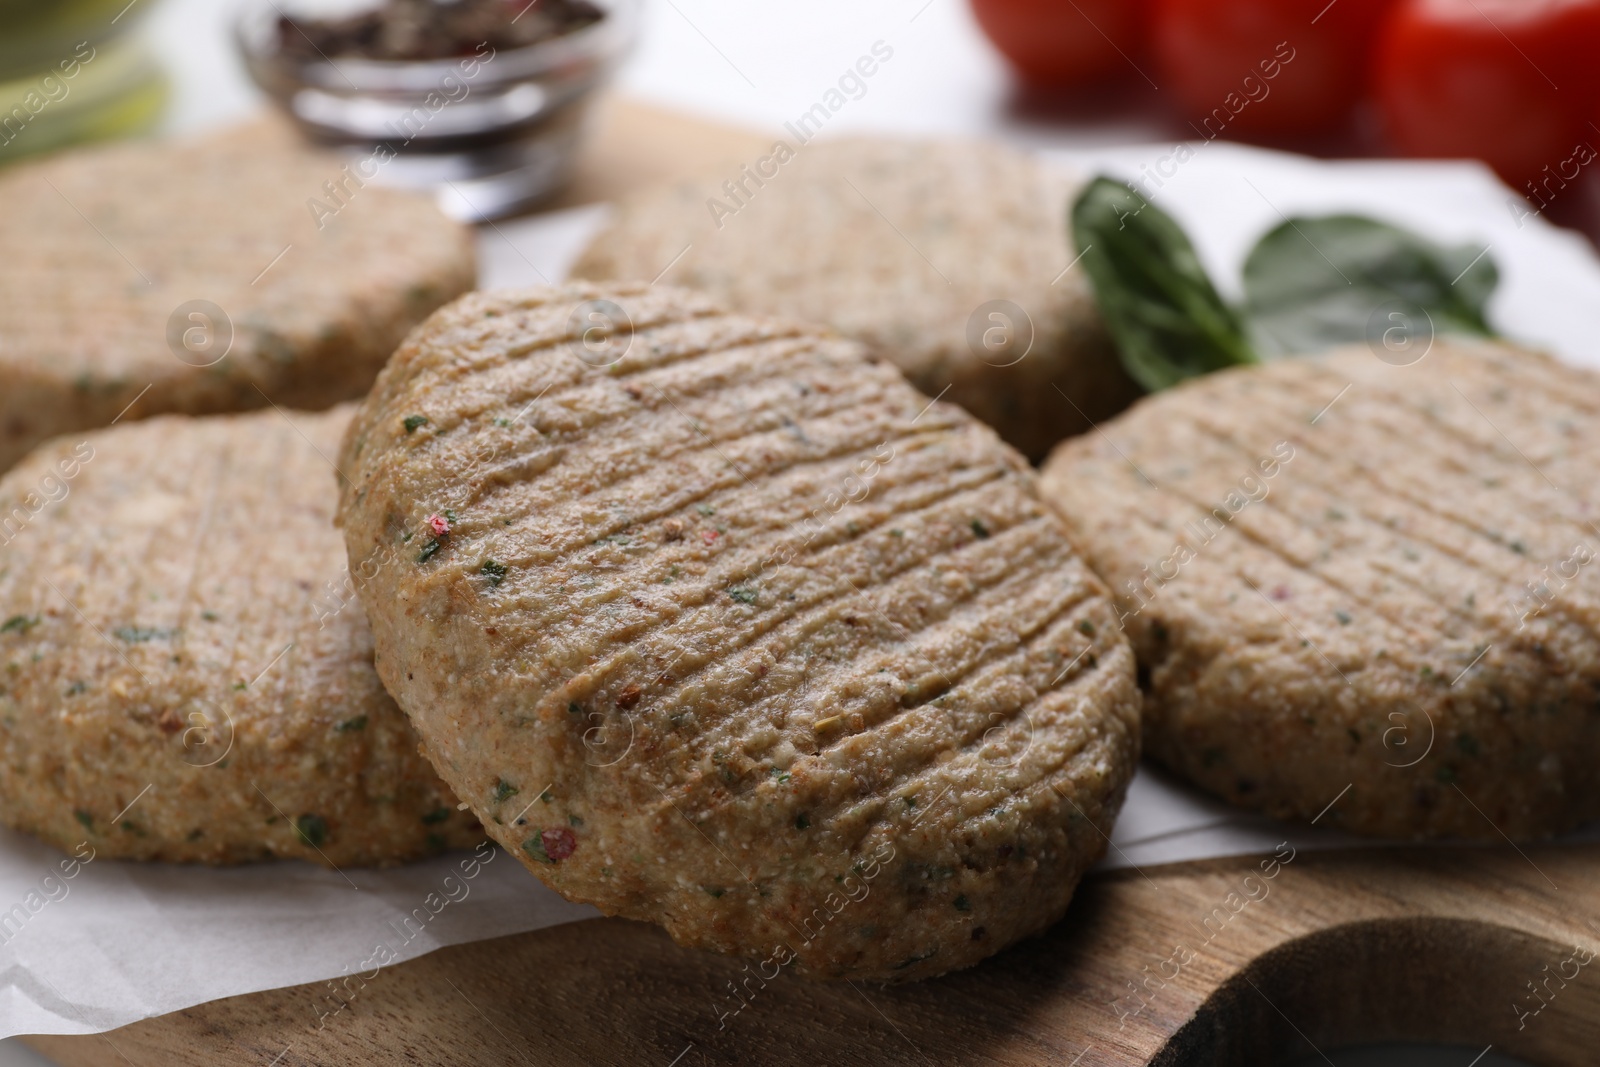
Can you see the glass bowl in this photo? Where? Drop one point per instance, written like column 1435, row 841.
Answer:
column 73, row 70
column 492, row 132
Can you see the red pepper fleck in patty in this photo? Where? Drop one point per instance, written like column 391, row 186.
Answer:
column 559, row 843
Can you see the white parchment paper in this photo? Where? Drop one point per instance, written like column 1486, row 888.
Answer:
column 119, row 942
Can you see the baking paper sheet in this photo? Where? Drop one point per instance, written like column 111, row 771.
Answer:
column 119, row 942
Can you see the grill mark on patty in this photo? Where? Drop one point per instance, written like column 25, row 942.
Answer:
column 1443, row 521
column 791, row 614
column 573, row 375
column 1486, row 441
column 1068, row 702
column 935, row 683
column 656, row 335
column 1092, row 739
column 1386, row 534
column 719, row 472
column 1089, row 735
column 724, row 476
column 662, row 562
column 804, row 616
column 1036, row 650
column 1330, row 640
column 1439, row 458
column 1381, row 423
column 558, row 449
column 1157, row 657
column 1429, row 528
column 1504, row 577
column 793, row 631
column 720, row 373
column 951, row 680
column 1278, row 554
column 528, row 331
column 1381, row 481
column 939, row 725
column 738, row 567
column 1491, row 370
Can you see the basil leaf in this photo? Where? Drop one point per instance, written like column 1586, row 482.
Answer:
column 1161, row 308
column 1312, row 283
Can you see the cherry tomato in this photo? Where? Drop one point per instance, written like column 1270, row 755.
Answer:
column 1057, row 43
column 1264, row 67
column 1510, row 82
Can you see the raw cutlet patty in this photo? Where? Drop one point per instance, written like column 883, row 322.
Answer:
column 1393, row 597
column 718, row 625
column 899, row 244
column 105, row 245
column 187, row 674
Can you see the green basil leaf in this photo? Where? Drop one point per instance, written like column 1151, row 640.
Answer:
column 1312, row 283
column 1167, row 319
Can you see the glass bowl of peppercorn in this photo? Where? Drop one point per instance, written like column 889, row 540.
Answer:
column 483, row 101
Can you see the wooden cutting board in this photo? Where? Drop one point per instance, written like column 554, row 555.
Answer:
column 1198, row 963
column 1154, row 967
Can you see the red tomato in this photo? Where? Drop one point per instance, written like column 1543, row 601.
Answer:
column 1262, row 67
column 1510, row 82
column 1054, row 43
